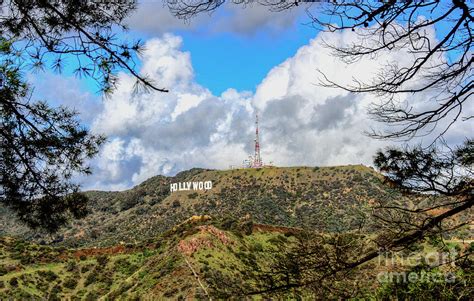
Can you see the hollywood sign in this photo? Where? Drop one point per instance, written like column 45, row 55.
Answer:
column 186, row 186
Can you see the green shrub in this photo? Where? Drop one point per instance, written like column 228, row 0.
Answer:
column 3, row 270
column 71, row 265
column 102, row 260
column 92, row 296
column 257, row 247
column 70, row 283
column 48, row 276
column 91, row 278
column 13, row 282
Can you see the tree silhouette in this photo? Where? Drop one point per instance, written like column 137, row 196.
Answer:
column 44, row 147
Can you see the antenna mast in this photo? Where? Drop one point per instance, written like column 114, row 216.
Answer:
column 257, row 160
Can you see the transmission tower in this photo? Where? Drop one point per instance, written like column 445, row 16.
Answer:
column 257, row 159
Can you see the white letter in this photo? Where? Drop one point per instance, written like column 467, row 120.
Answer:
column 195, row 185
column 201, row 185
column 208, row 185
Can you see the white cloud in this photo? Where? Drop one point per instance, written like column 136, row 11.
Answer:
column 63, row 90
column 155, row 18
column 301, row 123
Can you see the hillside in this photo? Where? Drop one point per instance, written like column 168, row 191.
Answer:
column 179, row 264
column 198, row 259
column 326, row 199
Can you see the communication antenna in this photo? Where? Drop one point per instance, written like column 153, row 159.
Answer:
column 257, row 159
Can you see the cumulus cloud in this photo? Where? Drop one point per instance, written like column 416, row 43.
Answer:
column 155, row 18
column 301, row 123
column 62, row 90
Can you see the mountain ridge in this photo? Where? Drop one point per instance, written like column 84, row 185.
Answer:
column 336, row 198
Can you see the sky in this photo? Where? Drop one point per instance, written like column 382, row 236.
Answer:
column 221, row 70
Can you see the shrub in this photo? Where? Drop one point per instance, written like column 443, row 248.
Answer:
column 70, row 283
column 71, row 266
column 123, row 266
column 91, row 278
column 13, row 282
column 92, row 296
column 85, row 269
column 3, row 270
column 102, row 260
column 257, row 247
column 48, row 276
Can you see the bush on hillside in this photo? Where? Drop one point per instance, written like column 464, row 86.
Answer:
column 70, row 283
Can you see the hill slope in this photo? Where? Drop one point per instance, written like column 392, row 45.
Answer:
column 323, row 199
column 182, row 263
column 198, row 259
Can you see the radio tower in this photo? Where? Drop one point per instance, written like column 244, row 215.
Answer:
column 257, row 159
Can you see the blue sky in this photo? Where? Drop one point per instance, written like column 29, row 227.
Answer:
column 228, row 59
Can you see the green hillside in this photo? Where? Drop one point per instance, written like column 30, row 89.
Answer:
column 198, row 259
column 182, row 263
column 326, row 199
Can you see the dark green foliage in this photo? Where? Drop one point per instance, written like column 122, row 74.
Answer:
column 429, row 170
column 48, row 276
column 92, row 296
column 71, row 265
column 3, row 270
column 70, row 283
column 102, row 260
column 53, row 295
column 42, row 148
column 423, row 283
column 132, row 198
column 124, row 266
column 13, row 281
column 92, row 277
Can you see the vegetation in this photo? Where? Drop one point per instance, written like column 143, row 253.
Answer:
column 249, row 228
column 332, row 199
column 200, row 259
